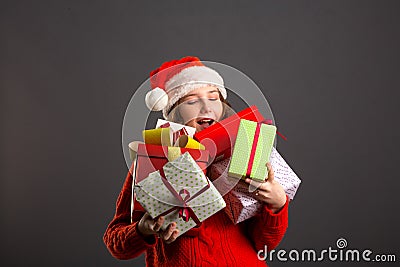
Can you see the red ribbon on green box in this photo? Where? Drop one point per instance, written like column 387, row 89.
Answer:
column 252, row 150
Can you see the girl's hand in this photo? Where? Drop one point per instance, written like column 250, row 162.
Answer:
column 147, row 226
column 270, row 191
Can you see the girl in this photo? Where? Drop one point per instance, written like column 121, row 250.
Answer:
column 190, row 93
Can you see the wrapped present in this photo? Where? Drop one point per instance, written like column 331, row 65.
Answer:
column 164, row 136
column 133, row 148
column 163, row 144
column 241, row 204
column 150, row 158
column 176, row 128
column 252, row 150
column 181, row 192
column 284, row 175
column 220, row 137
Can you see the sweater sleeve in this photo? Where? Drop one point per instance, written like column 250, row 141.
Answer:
column 268, row 228
column 121, row 237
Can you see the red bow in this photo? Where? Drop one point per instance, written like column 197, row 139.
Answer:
column 176, row 134
column 268, row 121
column 185, row 211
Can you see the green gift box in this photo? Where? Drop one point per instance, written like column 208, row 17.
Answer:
column 252, row 150
column 181, row 192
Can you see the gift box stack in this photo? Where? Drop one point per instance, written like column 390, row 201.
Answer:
column 171, row 164
column 243, row 144
column 169, row 177
column 241, row 205
column 239, row 197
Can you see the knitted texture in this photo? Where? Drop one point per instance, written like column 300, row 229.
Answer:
column 217, row 242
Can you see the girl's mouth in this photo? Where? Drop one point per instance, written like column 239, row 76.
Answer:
column 205, row 122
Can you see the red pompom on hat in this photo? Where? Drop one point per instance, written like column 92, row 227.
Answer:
column 176, row 78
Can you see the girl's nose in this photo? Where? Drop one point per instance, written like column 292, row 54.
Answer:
column 205, row 107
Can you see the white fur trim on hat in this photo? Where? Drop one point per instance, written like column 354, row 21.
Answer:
column 189, row 79
column 194, row 74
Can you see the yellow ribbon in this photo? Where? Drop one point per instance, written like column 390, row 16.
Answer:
column 173, row 153
column 162, row 137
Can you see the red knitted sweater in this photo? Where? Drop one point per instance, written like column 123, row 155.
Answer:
column 217, row 242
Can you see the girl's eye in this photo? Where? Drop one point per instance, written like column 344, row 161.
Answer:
column 213, row 99
column 191, row 102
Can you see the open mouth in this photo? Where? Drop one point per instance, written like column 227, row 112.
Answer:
column 205, row 122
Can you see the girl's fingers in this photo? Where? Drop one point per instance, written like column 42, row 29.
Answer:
column 254, row 185
column 166, row 235
column 271, row 175
column 158, row 223
column 146, row 216
column 173, row 237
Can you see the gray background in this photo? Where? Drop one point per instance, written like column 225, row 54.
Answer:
column 68, row 70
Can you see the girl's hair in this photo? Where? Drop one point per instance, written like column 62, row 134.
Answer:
column 175, row 116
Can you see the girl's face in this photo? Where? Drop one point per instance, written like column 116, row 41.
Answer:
column 201, row 108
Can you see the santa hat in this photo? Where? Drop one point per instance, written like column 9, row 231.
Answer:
column 174, row 79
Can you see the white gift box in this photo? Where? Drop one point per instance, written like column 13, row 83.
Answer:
column 185, row 182
column 240, row 202
column 284, row 175
column 240, row 206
